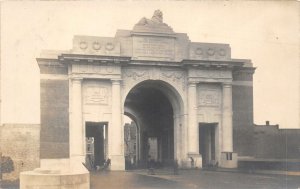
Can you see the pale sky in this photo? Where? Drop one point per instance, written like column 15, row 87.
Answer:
column 266, row 32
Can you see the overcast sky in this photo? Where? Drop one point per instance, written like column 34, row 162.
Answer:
column 266, row 32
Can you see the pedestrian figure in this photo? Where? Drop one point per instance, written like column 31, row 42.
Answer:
column 175, row 167
column 151, row 167
column 107, row 164
column 192, row 162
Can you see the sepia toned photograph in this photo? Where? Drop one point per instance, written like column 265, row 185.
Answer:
column 140, row 94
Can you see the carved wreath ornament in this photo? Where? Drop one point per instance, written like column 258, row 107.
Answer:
column 210, row 52
column 109, row 46
column 222, row 52
column 199, row 51
column 83, row 45
column 173, row 75
column 135, row 74
column 96, row 46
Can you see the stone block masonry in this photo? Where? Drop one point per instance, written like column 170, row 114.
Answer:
column 54, row 119
column 20, row 143
column 242, row 106
column 243, row 120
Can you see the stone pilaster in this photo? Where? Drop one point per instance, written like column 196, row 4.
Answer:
column 76, row 127
column 193, row 128
column 115, row 129
column 228, row 158
column 193, row 138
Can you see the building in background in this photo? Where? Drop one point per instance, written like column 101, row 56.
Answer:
column 273, row 148
column 130, row 144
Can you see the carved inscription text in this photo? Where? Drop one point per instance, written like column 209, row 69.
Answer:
column 209, row 98
column 153, row 48
column 96, row 95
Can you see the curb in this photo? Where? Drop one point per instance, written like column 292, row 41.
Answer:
column 272, row 172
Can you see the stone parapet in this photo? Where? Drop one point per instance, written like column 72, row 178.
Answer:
column 209, row 51
column 96, row 45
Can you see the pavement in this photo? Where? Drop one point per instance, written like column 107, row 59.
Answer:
column 131, row 180
column 190, row 179
column 193, row 179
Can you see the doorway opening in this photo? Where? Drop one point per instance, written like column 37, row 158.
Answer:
column 153, row 112
column 96, row 144
column 207, row 141
column 131, row 143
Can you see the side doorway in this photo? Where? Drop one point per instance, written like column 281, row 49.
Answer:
column 96, row 144
column 207, row 144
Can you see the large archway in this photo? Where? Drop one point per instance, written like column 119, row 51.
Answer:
column 155, row 107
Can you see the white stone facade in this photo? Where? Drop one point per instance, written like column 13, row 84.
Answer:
column 193, row 102
column 196, row 78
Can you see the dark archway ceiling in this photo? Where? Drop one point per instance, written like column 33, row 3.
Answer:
column 152, row 104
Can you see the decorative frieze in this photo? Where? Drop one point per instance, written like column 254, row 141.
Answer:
column 136, row 74
column 176, row 77
column 90, row 68
column 96, row 45
column 171, row 74
column 208, row 51
column 210, row 74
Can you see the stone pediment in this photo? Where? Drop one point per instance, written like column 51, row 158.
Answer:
column 153, row 25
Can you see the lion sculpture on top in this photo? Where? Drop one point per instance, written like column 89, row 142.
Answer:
column 157, row 18
column 155, row 24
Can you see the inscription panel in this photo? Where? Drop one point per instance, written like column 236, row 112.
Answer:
column 96, row 100
column 209, row 98
column 96, row 95
column 209, row 95
column 153, row 48
column 209, row 102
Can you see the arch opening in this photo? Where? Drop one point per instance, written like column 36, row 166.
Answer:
column 154, row 105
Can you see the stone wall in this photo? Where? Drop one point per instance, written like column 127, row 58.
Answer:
column 274, row 143
column 242, row 106
column 20, row 143
column 54, row 92
column 54, row 119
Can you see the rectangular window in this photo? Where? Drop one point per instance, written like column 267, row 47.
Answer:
column 229, row 155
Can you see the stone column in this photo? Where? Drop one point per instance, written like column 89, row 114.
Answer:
column 116, row 131
column 227, row 118
column 193, row 138
column 194, row 158
column 76, row 127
